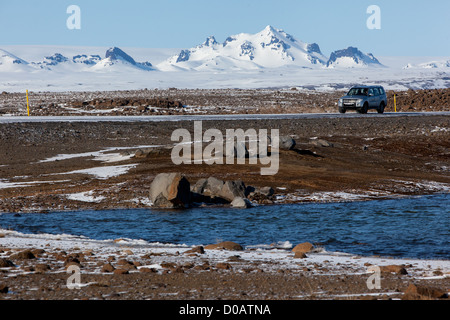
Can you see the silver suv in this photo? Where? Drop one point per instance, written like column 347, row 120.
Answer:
column 364, row 98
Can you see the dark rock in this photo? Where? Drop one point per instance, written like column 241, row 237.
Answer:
column 4, row 263
column 393, row 269
column 287, row 143
column 4, row 288
column 198, row 249
column 108, row 268
column 226, row 245
column 23, row 255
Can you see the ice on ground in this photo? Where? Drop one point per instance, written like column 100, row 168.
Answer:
column 85, row 197
column 8, row 185
column 104, row 173
column 101, row 155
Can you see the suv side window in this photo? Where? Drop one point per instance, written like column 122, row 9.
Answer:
column 381, row 90
column 371, row 93
column 376, row 91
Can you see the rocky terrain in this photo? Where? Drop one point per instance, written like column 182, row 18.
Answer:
column 220, row 101
column 221, row 271
column 62, row 166
column 76, row 165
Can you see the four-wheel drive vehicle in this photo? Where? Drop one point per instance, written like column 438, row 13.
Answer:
column 364, row 98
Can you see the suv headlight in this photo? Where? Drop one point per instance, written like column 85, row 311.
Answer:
column 359, row 102
column 341, row 101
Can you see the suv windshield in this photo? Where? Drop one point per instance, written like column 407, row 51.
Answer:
column 358, row 92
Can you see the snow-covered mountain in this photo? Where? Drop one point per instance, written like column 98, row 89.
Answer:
column 270, row 48
column 352, row 58
column 117, row 58
column 11, row 63
column 429, row 65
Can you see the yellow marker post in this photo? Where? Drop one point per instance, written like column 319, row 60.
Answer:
column 395, row 102
column 28, row 105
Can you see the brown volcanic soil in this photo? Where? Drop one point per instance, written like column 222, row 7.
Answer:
column 127, row 274
column 207, row 101
column 382, row 157
column 376, row 156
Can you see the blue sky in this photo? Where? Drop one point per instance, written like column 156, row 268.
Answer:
column 412, row 27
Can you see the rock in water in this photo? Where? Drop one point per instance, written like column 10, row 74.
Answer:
column 170, row 190
column 232, row 189
column 241, row 203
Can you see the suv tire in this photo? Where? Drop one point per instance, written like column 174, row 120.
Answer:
column 364, row 109
column 342, row 110
column 381, row 108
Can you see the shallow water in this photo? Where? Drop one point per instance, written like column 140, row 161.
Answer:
column 417, row 227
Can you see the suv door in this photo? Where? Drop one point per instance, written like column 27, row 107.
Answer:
column 373, row 98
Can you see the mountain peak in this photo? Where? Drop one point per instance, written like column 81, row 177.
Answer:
column 210, row 41
column 351, row 57
column 270, row 28
column 269, row 48
column 118, row 54
column 5, row 55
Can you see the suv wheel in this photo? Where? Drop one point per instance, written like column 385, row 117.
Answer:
column 342, row 110
column 364, row 109
column 381, row 108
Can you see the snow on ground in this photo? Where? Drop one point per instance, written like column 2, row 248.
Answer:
column 104, row 173
column 8, row 185
column 85, row 197
column 101, row 155
column 270, row 257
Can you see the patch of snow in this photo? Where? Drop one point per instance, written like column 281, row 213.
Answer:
column 104, row 173
column 8, row 185
column 84, row 197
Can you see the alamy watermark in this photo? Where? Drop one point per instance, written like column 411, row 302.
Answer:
column 73, row 22
column 235, row 147
column 74, row 281
column 374, row 281
column 374, row 20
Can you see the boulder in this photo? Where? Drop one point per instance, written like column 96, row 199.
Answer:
column 4, row 263
column 198, row 249
column 266, row 191
column 213, row 187
column 41, row 268
column 241, row 203
column 107, row 268
column 170, row 190
column 321, row 143
column 287, row 143
column 300, row 255
column 23, row 255
column 303, row 247
column 199, row 186
column 393, row 269
column 226, row 245
column 232, row 189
